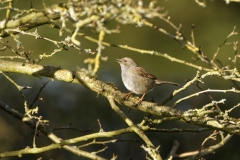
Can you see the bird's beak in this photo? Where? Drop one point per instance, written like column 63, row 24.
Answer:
column 118, row 60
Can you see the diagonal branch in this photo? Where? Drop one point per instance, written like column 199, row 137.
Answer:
column 59, row 142
column 152, row 150
column 197, row 117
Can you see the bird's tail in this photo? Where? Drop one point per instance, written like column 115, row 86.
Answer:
column 166, row 82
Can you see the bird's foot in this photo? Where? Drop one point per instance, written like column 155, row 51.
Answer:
column 128, row 95
column 140, row 100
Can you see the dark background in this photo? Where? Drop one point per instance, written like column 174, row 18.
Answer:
column 66, row 103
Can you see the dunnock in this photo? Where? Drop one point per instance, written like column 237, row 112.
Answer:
column 137, row 80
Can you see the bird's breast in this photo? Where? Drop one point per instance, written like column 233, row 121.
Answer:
column 137, row 84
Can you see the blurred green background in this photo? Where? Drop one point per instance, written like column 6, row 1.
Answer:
column 66, row 103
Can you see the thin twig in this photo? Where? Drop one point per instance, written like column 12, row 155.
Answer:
column 40, row 90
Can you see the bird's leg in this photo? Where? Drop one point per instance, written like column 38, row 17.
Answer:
column 128, row 95
column 141, row 99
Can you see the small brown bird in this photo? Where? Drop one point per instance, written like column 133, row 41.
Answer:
column 137, row 80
